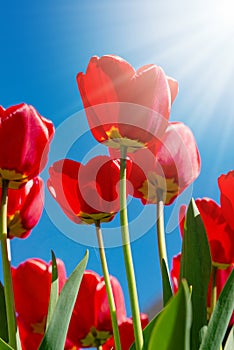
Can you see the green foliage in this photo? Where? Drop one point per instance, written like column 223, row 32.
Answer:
column 147, row 333
column 54, row 289
column 172, row 327
column 55, row 336
column 3, row 316
column 229, row 345
column 196, row 269
column 4, row 345
column 167, row 291
column 220, row 318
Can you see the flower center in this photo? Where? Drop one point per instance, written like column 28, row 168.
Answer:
column 92, row 218
column 155, row 182
column 115, row 140
column 95, row 338
column 15, row 179
column 14, row 224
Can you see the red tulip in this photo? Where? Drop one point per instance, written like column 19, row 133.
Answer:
column 90, row 324
column 31, row 282
column 126, row 334
column 24, row 208
column 219, row 233
column 124, row 106
column 86, row 193
column 226, row 186
column 169, row 166
column 221, row 279
column 24, row 143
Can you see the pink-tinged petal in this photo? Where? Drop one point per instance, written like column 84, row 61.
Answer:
column 179, row 156
column 96, row 89
column 120, row 73
column 170, row 165
column 226, row 186
column 150, row 89
column 121, row 101
column 174, row 88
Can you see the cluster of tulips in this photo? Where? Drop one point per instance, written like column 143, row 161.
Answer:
column 149, row 158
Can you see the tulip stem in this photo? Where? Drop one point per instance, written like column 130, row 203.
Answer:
column 109, row 290
column 213, row 295
column 128, row 254
column 6, row 263
column 162, row 250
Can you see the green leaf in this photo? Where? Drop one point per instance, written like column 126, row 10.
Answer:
column 167, row 292
column 220, row 317
column 147, row 333
column 230, row 340
column 3, row 316
column 4, row 345
column 54, row 291
column 196, row 269
column 172, row 328
column 55, row 335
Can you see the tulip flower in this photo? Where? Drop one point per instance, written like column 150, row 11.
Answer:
column 24, row 143
column 86, row 193
column 90, row 324
column 226, row 185
column 31, row 282
column 124, row 106
column 24, row 208
column 219, row 233
column 169, row 166
column 126, row 334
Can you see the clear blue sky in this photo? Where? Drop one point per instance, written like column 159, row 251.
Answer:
column 43, row 46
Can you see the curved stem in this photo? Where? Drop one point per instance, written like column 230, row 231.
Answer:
column 109, row 291
column 162, row 250
column 6, row 263
column 128, row 254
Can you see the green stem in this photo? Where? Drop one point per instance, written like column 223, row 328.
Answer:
column 162, row 250
column 128, row 254
column 6, row 263
column 213, row 295
column 109, row 291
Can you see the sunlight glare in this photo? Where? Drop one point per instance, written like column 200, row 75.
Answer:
column 224, row 15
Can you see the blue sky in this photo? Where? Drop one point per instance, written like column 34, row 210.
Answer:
column 44, row 44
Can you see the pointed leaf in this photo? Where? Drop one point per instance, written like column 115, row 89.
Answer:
column 172, row 328
column 196, row 269
column 230, row 340
column 220, row 317
column 4, row 345
column 167, row 291
column 3, row 316
column 55, row 336
column 54, row 291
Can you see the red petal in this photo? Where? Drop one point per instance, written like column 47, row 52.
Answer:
column 226, row 185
